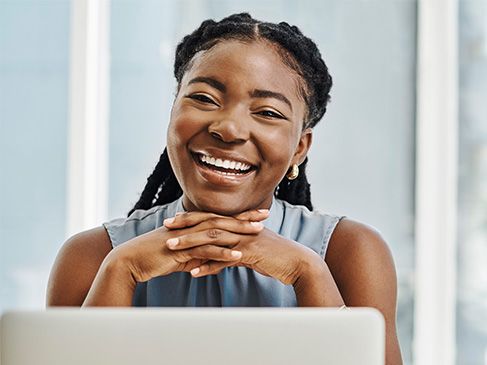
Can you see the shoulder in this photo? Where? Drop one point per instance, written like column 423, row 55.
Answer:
column 75, row 267
column 354, row 238
column 358, row 255
column 363, row 268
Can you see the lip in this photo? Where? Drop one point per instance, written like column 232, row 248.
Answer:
column 218, row 178
column 225, row 156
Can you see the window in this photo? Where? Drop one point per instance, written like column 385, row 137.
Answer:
column 34, row 72
column 472, row 209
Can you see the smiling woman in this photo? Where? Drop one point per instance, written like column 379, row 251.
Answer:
column 226, row 217
column 250, row 112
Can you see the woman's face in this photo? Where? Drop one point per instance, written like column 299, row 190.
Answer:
column 236, row 127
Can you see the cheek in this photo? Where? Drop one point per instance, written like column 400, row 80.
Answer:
column 180, row 130
column 184, row 124
column 277, row 148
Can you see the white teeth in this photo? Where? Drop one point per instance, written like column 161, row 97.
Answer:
column 226, row 164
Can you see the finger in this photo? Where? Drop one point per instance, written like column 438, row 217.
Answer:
column 192, row 264
column 233, row 225
column 209, row 252
column 188, row 219
column 210, row 268
column 213, row 236
column 255, row 215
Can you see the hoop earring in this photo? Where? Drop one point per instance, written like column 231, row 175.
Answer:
column 293, row 173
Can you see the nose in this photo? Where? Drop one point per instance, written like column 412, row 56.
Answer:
column 230, row 129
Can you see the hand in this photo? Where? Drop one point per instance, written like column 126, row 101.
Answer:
column 264, row 251
column 147, row 256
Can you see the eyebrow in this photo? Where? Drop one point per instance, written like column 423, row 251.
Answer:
column 210, row 81
column 257, row 93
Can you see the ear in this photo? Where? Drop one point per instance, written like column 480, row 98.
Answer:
column 302, row 147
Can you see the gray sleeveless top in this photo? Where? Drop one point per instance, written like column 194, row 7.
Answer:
column 234, row 286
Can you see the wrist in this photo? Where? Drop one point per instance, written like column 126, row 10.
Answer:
column 310, row 266
column 119, row 266
column 315, row 285
column 113, row 284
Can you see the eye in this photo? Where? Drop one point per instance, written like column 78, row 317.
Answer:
column 202, row 99
column 271, row 114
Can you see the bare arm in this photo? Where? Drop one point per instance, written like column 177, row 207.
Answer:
column 88, row 272
column 363, row 269
column 114, row 284
column 315, row 286
column 76, row 266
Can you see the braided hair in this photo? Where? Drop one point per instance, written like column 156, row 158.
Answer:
column 296, row 50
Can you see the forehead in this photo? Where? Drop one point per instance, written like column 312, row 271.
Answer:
column 253, row 65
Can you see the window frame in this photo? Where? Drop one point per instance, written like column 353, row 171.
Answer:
column 87, row 169
column 436, row 190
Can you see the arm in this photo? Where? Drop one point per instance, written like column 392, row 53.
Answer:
column 315, row 287
column 88, row 272
column 114, row 284
column 76, row 266
column 363, row 269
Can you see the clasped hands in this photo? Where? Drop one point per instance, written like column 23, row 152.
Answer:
column 214, row 242
column 205, row 243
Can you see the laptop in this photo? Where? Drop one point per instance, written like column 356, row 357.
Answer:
column 193, row 336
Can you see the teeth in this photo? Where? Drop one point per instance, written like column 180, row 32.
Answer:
column 226, row 164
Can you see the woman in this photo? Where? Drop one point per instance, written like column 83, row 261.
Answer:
column 226, row 217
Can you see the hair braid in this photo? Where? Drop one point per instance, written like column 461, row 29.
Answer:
column 161, row 188
column 296, row 191
column 296, row 50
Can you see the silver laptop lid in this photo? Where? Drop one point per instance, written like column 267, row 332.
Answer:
column 177, row 336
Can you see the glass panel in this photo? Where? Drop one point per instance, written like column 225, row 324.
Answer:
column 34, row 52
column 370, row 47
column 472, row 189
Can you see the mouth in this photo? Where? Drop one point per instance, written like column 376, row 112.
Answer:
column 222, row 171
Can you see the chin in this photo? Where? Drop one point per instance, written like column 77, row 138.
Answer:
column 220, row 204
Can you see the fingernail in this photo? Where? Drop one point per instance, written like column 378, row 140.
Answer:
column 168, row 220
column 256, row 224
column 236, row 254
column 172, row 242
column 263, row 210
column 195, row 271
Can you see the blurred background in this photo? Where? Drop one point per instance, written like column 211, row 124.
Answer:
column 86, row 89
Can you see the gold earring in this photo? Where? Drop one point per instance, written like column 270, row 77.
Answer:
column 291, row 175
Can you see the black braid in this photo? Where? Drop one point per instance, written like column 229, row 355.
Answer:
column 161, row 188
column 296, row 191
column 296, row 50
